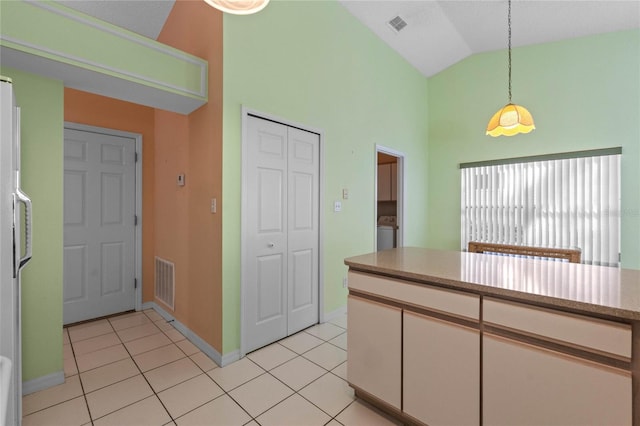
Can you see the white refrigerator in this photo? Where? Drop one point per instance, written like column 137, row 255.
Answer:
column 15, row 230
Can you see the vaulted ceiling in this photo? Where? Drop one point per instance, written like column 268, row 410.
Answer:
column 437, row 33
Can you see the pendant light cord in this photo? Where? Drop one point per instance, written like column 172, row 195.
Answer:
column 509, row 32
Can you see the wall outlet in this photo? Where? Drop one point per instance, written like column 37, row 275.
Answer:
column 344, row 282
column 337, row 206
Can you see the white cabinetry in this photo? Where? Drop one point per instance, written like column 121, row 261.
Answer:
column 387, row 182
column 594, row 335
column 374, row 344
column 394, row 181
column 441, row 372
column 425, row 367
column 420, row 351
column 528, row 385
column 525, row 384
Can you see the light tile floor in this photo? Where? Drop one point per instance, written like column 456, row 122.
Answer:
column 137, row 369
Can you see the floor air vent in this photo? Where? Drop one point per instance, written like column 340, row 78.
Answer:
column 165, row 282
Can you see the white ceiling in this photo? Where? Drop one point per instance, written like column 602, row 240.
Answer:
column 438, row 33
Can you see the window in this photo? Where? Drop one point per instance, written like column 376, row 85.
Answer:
column 569, row 200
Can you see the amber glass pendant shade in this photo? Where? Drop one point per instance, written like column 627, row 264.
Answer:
column 510, row 120
column 239, row 7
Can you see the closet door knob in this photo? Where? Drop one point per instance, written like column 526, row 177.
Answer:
column 270, row 245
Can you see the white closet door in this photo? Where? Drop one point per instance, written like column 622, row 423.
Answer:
column 304, row 149
column 265, row 267
column 280, row 219
column 99, row 225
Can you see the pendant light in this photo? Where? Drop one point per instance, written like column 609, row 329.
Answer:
column 511, row 119
column 239, row 7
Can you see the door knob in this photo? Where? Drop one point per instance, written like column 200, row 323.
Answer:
column 270, row 245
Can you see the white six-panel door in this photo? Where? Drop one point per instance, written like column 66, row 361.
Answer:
column 99, row 228
column 280, row 268
column 303, row 238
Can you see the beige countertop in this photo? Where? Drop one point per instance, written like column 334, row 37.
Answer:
column 604, row 291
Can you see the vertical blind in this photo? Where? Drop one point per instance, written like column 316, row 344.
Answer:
column 557, row 203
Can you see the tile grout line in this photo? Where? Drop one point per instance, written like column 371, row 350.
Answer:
column 65, row 380
column 326, row 371
column 111, row 346
column 186, row 356
column 156, row 393
column 314, row 404
column 123, row 359
column 117, row 335
column 315, row 363
column 240, row 405
column 300, row 395
column 84, row 394
column 143, row 376
column 301, row 353
column 92, row 337
column 243, row 383
column 224, row 392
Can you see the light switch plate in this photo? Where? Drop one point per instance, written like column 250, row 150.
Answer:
column 180, row 179
column 345, row 194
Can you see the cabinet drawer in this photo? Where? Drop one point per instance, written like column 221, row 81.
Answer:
column 576, row 330
column 446, row 301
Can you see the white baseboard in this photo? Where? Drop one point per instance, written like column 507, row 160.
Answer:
column 328, row 316
column 230, row 357
column 147, row 305
column 194, row 338
column 44, row 382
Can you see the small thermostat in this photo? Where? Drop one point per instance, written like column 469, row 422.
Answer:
column 181, row 180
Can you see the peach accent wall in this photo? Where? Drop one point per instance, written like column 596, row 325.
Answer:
column 95, row 110
column 187, row 233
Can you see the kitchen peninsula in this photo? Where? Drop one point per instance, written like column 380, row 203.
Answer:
column 442, row 337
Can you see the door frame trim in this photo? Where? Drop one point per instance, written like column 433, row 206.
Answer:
column 246, row 112
column 401, row 167
column 138, row 194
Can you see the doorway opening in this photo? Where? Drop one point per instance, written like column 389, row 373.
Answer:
column 389, row 202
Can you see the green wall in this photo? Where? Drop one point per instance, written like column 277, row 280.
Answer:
column 583, row 94
column 53, row 31
column 312, row 63
column 41, row 103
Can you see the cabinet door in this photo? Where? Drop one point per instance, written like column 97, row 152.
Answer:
column 384, row 182
column 527, row 385
column 374, row 348
column 441, row 376
column 394, row 181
